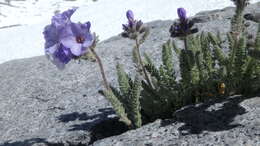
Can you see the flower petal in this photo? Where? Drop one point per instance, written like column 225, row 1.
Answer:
column 50, row 35
column 62, row 19
column 86, row 26
column 88, row 40
column 50, row 54
column 65, row 32
column 62, row 55
column 76, row 29
column 58, row 63
column 79, row 29
column 76, row 50
column 50, row 51
column 70, row 42
column 87, row 43
column 69, row 12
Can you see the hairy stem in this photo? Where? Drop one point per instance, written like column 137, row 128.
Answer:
column 101, row 68
column 142, row 65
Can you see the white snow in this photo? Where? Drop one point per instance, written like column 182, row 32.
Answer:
column 106, row 17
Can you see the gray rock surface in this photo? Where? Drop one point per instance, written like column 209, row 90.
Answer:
column 233, row 121
column 40, row 105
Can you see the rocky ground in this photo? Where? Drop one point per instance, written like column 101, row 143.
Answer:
column 40, row 105
column 233, row 121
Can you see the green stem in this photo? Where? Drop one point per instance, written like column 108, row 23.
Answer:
column 141, row 63
column 185, row 43
column 101, row 68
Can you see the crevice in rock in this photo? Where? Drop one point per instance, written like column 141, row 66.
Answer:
column 107, row 128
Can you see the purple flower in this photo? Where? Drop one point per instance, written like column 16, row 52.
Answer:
column 131, row 21
column 60, row 20
column 130, row 15
column 133, row 27
column 65, row 40
column 182, row 14
column 59, row 55
column 59, row 24
column 183, row 27
column 78, row 39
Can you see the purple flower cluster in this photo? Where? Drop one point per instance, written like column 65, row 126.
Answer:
column 66, row 40
column 184, row 26
column 133, row 27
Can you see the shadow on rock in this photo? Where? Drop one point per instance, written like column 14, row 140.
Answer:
column 107, row 128
column 91, row 120
column 99, row 125
column 214, row 115
column 36, row 142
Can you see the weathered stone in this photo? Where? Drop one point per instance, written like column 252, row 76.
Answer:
column 224, row 121
column 40, row 105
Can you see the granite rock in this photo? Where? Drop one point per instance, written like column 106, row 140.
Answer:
column 222, row 122
column 40, row 105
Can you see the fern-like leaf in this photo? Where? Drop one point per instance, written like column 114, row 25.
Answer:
column 118, row 107
column 167, row 56
column 257, row 41
column 134, row 113
column 147, row 59
column 240, row 58
column 123, row 80
column 176, row 49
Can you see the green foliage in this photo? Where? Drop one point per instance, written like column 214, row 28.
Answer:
column 186, row 64
column 199, row 80
column 123, row 81
column 161, row 101
column 240, row 57
column 255, row 53
column 176, row 49
column 206, row 71
column 135, row 108
column 126, row 100
column 167, row 58
column 257, row 41
column 118, row 107
column 237, row 22
column 218, row 54
column 205, row 68
column 252, row 72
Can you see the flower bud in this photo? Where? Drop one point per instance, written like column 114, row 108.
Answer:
column 130, row 15
column 133, row 28
column 183, row 27
column 182, row 14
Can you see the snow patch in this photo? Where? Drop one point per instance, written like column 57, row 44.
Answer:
column 22, row 23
